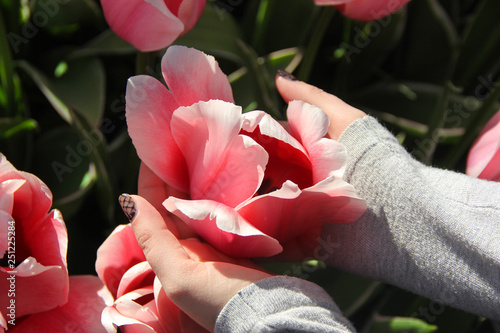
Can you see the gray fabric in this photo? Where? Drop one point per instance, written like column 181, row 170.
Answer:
column 430, row 231
column 282, row 304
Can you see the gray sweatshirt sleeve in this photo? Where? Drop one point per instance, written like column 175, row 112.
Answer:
column 430, row 231
column 282, row 304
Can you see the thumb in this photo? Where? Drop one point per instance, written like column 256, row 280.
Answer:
column 340, row 113
column 162, row 249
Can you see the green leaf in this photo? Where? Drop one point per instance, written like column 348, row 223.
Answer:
column 10, row 127
column 430, row 43
column 81, row 87
column 400, row 324
column 66, row 17
column 370, row 45
column 46, row 87
column 481, row 46
column 215, row 33
column 107, row 43
column 415, row 102
column 246, row 89
column 7, row 86
column 61, row 159
column 105, row 184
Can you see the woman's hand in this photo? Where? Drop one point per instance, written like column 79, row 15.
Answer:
column 340, row 113
column 199, row 279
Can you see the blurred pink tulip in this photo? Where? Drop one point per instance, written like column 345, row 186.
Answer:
column 484, row 156
column 151, row 25
column 34, row 274
column 252, row 185
column 140, row 304
column 364, row 10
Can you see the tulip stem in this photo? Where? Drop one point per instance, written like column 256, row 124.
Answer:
column 431, row 139
column 144, row 63
column 482, row 115
column 313, row 47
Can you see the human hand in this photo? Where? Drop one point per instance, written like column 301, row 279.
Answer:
column 199, row 279
column 155, row 191
column 340, row 113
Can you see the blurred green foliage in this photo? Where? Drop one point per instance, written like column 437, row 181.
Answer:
column 430, row 72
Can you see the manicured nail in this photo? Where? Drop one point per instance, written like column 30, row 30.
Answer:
column 284, row 74
column 128, row 205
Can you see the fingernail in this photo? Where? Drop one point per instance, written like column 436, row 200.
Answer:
column 284, row 74
column 128, row 205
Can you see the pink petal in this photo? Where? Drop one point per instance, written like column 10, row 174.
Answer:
column 147, row 24
column 38, row 288
column 288, row 159
column 7, row 190
column 484, row 156
column 288, row 212
column 149, row 111
column 138, row 276
column 189, row 12
column 193, row 76
column 369, row 10
column 47, row 241
column 330, row 2
column 223, row 166
column 117, row 254
column 309, row 125
column 82, row 312
column 7, row 228
column 42, row 277
column 31, row 200
column 223, row 228
column 131, row 315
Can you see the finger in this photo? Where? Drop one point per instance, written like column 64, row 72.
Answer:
column 340, row 113
column 155, row 191
column 162, row 249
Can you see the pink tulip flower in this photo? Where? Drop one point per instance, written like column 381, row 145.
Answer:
column 364, row 10
column 33, row 273
column 252, row 185
column 484, row 156
column 151, row 25
column 140, row 303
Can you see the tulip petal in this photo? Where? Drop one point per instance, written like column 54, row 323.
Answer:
column 309, row 124
column 38, row 288
column 484, row 156
column 223, row 166
column 330, row 2
column 288, row 212
column 147, row 24
column 33, row 199
column 119, row 252
column 47, row 241
column 82, row 312
column 193, row 76
column 190, row 11
column 136, row 277
column 131, row 315
column 7, row 190
column 7, row 226
column 370, row 10
column 288, row 160
column 223, row 228
column 149, row 111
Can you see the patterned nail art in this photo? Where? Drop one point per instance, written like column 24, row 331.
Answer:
column 284, row 74
column 128, row 205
